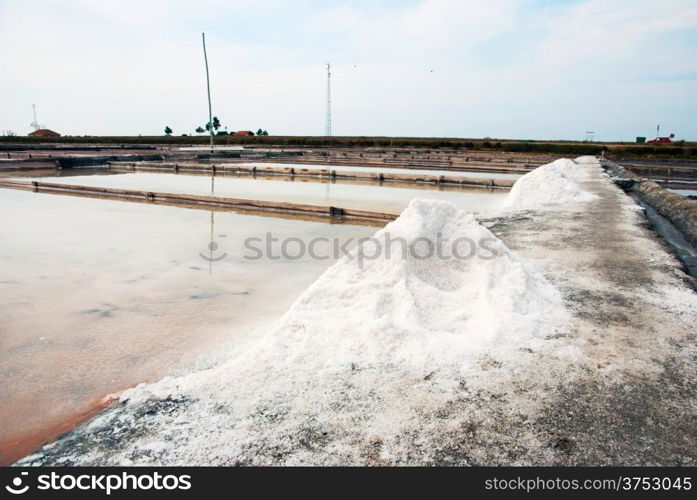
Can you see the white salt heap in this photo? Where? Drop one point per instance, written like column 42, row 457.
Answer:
column 411, row 312
column 367, row 353
column 552, row 184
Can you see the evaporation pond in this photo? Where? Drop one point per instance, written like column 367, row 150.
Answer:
column 386, row 170
column 684, row 192
column 384, row 197
column 98, row 295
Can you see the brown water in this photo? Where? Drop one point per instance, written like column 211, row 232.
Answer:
column 97, row 296
column 100, row 295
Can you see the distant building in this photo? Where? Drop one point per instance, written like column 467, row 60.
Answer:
column 44, row 132
column 661, row 140
column 244, row 132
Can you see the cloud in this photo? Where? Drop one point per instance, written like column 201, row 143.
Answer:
column 600, row 36
column 500, row 68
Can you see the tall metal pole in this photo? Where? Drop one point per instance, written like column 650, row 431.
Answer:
column 208, row 86
column 329, row 101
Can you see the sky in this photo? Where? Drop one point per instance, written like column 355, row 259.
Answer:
column 526, row 69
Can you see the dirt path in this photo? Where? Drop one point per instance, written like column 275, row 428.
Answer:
column 630, row 399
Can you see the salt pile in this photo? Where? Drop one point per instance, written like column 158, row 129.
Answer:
column 552, row 184
column 369, row 353
column 411, row 312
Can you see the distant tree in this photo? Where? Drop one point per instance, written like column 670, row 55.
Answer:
column 260, row 132
column 185, row 135
column 199, row 130
column 168, row 131
column 264, row 133
column 216, row 124
column 250, row 133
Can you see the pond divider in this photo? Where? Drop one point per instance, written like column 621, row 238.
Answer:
column 324, row 173
column 335, row 214
column 668, row 170
column 679, row 210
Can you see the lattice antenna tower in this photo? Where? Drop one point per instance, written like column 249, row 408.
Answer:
column 328, row 129
column 35, row 124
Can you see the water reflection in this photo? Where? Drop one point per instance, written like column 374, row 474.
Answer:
column 386, row 170
column 385, row 197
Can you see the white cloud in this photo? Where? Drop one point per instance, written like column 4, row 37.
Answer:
column 417, row 69
column 600, row 35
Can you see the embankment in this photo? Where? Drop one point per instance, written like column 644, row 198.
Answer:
column 679, row 210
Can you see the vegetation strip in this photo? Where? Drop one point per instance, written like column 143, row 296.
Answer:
column 686, row 150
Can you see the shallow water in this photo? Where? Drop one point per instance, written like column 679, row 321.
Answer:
column 684, row 192
column 685, row 251
column 99, row 295
column 375, row 197
column 386, row 170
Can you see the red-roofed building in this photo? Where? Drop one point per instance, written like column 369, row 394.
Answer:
column 661, row 140
column 44, row 132
column 244, row 132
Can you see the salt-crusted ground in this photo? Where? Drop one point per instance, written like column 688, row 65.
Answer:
column 575, row 345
